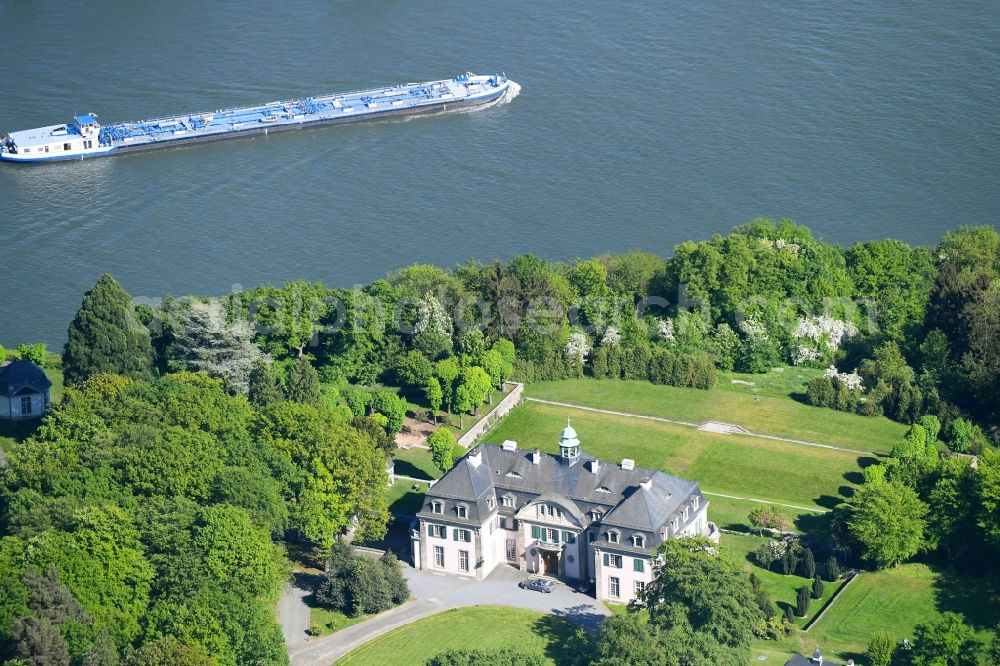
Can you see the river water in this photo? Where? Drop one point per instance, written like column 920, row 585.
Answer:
column 638, row 125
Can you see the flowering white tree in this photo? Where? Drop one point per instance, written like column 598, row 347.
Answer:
column 850, row 380
column 819, row 337
column 612, row 338
column 432, row 318
column 577, row 347
column 664, row 328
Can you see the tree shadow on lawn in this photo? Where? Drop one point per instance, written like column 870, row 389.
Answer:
column 830, row 501
column 307, row 581
column 406, row 468
column 857, row 478
column 565, row 643
column 975, row 598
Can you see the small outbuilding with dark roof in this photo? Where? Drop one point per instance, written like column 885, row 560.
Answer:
column 24, row 391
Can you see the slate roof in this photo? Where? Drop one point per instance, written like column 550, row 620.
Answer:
column 632, row 500
column 16, row 376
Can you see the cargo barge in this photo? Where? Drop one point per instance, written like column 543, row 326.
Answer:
column 85, row 137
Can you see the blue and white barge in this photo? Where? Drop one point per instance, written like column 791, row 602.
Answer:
column 86, row 137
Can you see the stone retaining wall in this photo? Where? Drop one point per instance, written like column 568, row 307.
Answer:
column 501, row 410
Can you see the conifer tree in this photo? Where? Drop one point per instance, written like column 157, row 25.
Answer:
column 802, row 602
column 106, row 336
column 817, row 591
column 303, row 382
column 264, row 389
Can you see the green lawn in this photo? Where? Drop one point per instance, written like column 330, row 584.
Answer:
column 775, row 471
column 783, row 382
column 415, row 462
column 323, row 621
column 783, row 589
column 895, row 600
column 482, row 627
column 764, row 413
column 406, row 497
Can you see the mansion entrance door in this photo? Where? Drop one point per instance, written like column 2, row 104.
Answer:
column 550, row 563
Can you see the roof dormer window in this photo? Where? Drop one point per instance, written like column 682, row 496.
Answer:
column 508, row 500
column 684, row 514
column 675, row 525
column 463, row 511
column 695, row 502
column 639, row 541
column 437, row 507
column 612, row 537
column 491, row 502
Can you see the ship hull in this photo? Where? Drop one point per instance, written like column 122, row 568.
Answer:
column 180, row 139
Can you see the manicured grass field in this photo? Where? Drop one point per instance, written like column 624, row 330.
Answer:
column 405, row 497
column 765, row 413
column 483, row 627
column 415, row 462
column 783, row 589
column 895, row 600
column 323, row 621
column 804, row 476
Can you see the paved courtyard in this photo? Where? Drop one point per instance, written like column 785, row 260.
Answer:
column 433, row 593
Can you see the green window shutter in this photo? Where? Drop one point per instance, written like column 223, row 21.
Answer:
column 569, row 537
column 536, row 532
column 607, row 560
column 638, row 564
column 430, row 530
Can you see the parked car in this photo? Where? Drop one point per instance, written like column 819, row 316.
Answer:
column 537, row 585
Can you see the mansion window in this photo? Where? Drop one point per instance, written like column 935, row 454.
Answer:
column 508, row 501
column 640, row 587
column 568, row 537
column 511, row 549
column 463, row 560
column 615, row 587
column 675, row 525
column 612, row 561
column 595, row 516
column 549, row 510
column 638, row 565
column 26, row 404
column 491, row 502
column 463, row 512
column 684, row 515
column 551, row 535
column 639, row 541
column 438, row 531
column 612, row 537
column 463, row 535
column 694, row 503
column 437, row 507
column 439, row 556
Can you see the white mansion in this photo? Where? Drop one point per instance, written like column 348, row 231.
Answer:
column 569, row 516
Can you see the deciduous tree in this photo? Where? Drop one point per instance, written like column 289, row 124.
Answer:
column 442, row 444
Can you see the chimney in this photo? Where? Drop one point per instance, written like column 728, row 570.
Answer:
column 595, row 465
column 509, row 445
column 536, row 456
column 475, row 457
column 628, row 463
column 647, row 484
column 817, row 657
